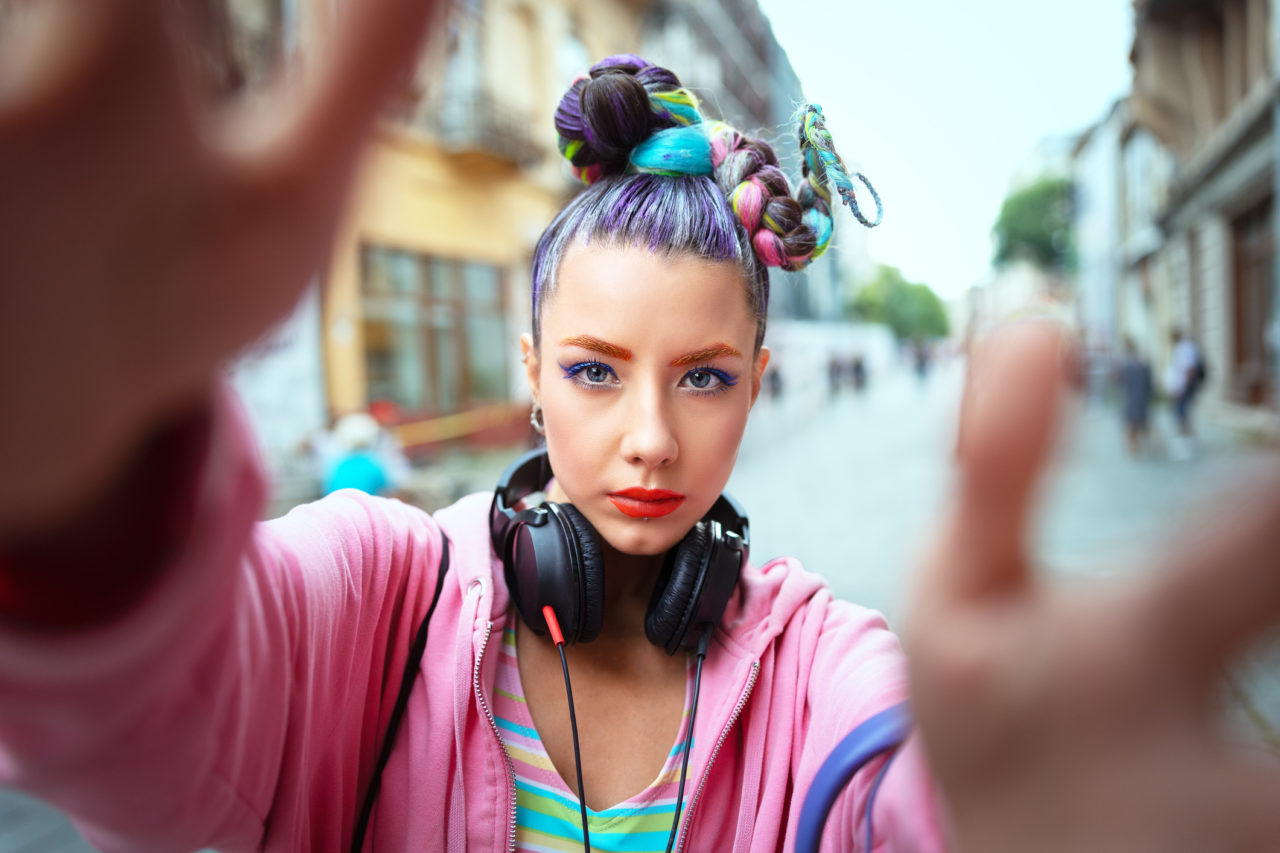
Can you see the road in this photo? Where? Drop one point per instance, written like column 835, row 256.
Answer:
column 854, row 484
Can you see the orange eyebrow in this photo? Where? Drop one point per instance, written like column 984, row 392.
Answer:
column 597, row 345
column 705, row 354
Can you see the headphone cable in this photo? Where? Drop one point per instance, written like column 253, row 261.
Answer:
column 553, row 625
column 704, row 641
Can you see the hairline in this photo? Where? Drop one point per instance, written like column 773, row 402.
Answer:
column 585, row 220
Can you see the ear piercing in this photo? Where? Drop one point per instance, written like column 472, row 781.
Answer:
column 536, row 421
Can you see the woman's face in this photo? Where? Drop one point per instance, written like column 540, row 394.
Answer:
column 645, row 376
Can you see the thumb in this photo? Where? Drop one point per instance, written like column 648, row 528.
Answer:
column 1008, row 422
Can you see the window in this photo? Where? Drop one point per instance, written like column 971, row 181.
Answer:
column 1254, row 274
column 435, row 332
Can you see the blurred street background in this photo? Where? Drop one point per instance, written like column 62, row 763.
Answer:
column 1110, row 164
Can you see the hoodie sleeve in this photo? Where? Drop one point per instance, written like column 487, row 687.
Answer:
column 237, row 703
column 859, row 669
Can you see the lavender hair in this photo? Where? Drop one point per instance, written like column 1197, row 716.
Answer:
column 624, row 128
column 685, row 215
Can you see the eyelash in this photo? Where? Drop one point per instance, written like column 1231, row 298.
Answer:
column 727, row 381
column 572, row 372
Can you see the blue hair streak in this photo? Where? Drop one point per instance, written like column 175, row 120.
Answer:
column 673, row 151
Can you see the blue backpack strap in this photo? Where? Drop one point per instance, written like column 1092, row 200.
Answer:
column 402, row 700
column 876, row 735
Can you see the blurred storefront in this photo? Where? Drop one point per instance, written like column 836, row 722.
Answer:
column 428, row 287
column 1204, row 85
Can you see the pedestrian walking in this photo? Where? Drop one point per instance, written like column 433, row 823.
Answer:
column 835, row 374
column 1184, row 376
column 239, row 679
column 1133, row 376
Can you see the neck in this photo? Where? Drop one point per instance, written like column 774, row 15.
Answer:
column 628, row 585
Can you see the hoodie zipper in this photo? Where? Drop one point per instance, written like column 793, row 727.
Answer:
column 724, row 735
column 493, row 725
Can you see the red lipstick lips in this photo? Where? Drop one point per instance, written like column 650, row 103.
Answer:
column 646, row 503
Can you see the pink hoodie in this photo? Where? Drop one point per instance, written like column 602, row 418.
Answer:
column 241, row 704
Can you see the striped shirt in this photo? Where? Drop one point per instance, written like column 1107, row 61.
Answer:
column 548, row 818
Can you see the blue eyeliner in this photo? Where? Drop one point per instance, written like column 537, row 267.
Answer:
column 727, row 381
column 727, row 378
column 571, row 372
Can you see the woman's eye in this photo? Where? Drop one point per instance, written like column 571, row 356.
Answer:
column 701, row 378
column 707, row 379
column 590, row 374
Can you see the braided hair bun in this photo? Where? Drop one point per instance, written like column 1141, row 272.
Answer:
column 760, row 195
column 622, row 102
column 631, row 116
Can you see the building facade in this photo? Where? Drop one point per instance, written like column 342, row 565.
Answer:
column 426, row 291
column 1204, row 93
column 1097, row 179
column 428, row 287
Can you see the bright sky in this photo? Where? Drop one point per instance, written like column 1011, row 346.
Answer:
column 940, row 101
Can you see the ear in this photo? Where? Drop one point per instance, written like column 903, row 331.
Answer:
column 757, row 372
column 529, row 355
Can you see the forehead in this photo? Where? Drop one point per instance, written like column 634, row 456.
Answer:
column 631, row 292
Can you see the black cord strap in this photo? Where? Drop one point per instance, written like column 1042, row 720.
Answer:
column 402, row 700
column 704, row 641
column 577, row 754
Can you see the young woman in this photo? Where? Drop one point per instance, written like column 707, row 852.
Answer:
column 176, row 675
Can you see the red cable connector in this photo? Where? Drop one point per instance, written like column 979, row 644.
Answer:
column 553, row 625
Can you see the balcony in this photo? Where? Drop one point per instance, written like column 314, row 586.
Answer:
column 477, row 125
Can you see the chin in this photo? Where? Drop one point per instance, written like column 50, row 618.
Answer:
column 644, row 538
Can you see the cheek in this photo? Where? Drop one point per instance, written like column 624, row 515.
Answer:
column 711, row 441
column 577, row 435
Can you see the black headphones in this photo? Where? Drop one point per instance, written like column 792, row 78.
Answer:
column 551, row 555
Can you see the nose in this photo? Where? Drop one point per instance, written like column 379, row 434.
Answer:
column 649, row 438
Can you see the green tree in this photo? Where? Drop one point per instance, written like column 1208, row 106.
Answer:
column 911, row 311
column 1035, row 225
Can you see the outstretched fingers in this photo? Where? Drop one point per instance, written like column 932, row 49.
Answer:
column 1008, row 425
column 370, row 50
column 56, row 51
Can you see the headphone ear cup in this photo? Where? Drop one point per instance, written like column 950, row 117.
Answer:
column 592, row 563
column 674, row 601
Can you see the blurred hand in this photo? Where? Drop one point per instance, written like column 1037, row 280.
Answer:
column 144, row 237
column 1083, row 719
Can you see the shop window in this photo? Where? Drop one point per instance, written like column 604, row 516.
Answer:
column 435, row 332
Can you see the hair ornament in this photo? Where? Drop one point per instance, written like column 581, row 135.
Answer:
column 748, row 200
column 769, row 248
column 617, row 108
column 823, row 164
column 673, row 151
column 679, row 105
column 718, row 132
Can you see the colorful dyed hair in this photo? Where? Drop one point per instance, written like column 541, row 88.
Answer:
column 660, row 176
